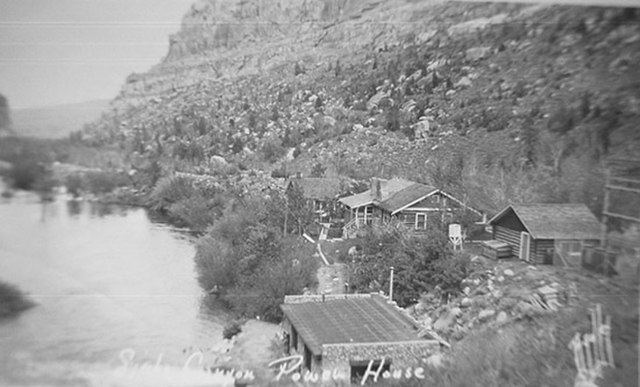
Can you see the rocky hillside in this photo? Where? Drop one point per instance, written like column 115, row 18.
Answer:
column 495, row 102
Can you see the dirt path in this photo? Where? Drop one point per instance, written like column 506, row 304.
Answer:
column 332, row 278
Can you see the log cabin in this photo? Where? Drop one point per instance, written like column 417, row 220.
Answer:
column 546, row 233
column 416, row 206
column 321, row 193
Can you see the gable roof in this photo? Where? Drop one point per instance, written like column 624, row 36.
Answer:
column 555, row 221
column 394, row 194
column 349, row 321
column 319, row 188
column 407, row 196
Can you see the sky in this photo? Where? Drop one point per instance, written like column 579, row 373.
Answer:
column 56, row 52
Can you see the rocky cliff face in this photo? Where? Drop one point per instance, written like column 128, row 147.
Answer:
column 456, row 94
column 225, row 39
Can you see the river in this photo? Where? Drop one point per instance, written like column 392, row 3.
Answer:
column 113, row 288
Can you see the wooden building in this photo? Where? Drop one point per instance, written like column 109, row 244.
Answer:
column 321, row 193
column 542, row 233
column 344, row 333
column 415, row 205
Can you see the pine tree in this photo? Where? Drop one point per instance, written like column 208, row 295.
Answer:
column 5, row 114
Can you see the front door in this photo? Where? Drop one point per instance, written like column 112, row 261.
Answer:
column 525, row 242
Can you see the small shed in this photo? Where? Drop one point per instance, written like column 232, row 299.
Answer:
column 345, row 333
column 540, row 233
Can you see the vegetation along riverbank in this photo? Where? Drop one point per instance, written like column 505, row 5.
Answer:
column 12, row 301
column 492, row 103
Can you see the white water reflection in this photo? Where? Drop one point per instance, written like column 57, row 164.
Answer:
column 105, row 278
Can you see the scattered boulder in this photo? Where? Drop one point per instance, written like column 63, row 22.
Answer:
column 463, row 83
column 621, row 63
column 422, row 128
column 466, row 302
column 216, row 162
column 436, row 360
column 486, row 314
column 508, row 273
column 446, row 320
column 477, row 53
column 502, row 317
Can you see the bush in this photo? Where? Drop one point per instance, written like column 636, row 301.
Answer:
column 74, row 184
column 412, row 256
column 247, row 256
column 449, row 272
column 194, row 211
column 12, row 300
column 25, row 174
column 561, row 120
column 170, row 190
column 231, row 329
column 104, row 181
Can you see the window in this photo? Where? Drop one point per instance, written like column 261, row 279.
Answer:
column 368, row 215
column 573, row 248
column 421, row 221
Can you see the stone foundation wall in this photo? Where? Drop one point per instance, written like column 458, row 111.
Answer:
column 322, row 298
column 402, row 355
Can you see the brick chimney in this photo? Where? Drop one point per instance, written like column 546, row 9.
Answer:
column 376, row 190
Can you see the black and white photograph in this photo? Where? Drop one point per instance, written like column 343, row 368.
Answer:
column 420, row 193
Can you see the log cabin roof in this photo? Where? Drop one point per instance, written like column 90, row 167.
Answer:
column 554, row 221
column 349, row 321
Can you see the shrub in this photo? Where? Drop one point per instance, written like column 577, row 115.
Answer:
column 194, row 211
column 25, row 174
column 412, row 256
column 231, row 329
column 12, row 300
column 74, row 184
column 246, row 255
column 104, row 181
column 561, row 120
column 170, row 190
column 449, row 272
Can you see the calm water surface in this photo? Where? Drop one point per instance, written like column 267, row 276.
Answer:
column 106, row 279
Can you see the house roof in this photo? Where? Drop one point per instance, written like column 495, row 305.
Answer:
column 406, row 197
column 555, row 221
column 319, row 188
column 349, row 320
column 395, row 193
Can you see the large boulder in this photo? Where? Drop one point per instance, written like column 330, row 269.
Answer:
column 477, row 53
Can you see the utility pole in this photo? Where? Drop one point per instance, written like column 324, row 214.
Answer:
column 391, row 285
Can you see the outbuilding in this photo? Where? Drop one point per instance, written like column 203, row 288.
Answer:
column 348, row 334
column 546, row 233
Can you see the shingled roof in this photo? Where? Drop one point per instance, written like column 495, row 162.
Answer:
column 395, row 194
column 406, row 196
column 349, row 321
column 555, row 221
